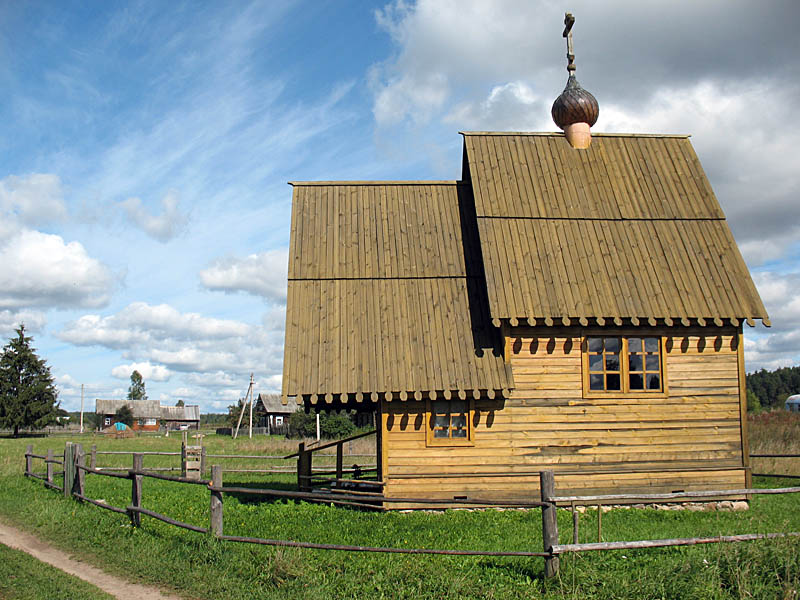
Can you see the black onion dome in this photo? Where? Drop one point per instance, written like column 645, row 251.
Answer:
column 575, row 105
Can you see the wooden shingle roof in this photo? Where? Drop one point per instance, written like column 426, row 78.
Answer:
column 386, row 295
column 627, row 229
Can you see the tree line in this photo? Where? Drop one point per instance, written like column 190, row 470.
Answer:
column 769, row 389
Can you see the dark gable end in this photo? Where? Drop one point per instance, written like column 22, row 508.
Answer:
column 386, row 295
column 626, row 230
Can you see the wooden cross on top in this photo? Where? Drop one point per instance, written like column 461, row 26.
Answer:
column 569, row 21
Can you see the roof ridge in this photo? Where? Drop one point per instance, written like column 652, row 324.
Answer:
column 561, row 134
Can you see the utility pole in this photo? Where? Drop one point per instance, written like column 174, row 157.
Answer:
column 250, row 389
column 244, row 405
column 81, row 408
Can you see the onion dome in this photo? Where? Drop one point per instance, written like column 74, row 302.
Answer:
column 575, row 105
column 575, row 110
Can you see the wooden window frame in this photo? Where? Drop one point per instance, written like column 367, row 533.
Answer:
column 624, row 391
column 434, row 442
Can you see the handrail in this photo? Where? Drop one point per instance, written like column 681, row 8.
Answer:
column 334, row 443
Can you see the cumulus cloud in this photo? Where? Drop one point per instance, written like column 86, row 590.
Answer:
column 11, row 319
column 262, row 274
column 162, row 227
column 32, row 200
column 146, row 370
column 143, row 324
column 779, row 346
column 185, row 342
column 41, row 270
column 512, row 106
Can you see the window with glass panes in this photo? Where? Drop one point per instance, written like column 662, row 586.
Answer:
column 624, row 364
column 449, row 422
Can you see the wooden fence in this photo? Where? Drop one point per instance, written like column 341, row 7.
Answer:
column 75, row 470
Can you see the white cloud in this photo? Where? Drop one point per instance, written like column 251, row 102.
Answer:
column 40, row 269
column 35, row 199
column 146, row 370
column 163, row 227
column 262, row 274
column 780, row 345
column 11, row 319
column 175, row 341
column 512, row 106
column 144, row 324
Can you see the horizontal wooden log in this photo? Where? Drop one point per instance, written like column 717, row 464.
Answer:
column 677, row 495
column 292, row 544
column 115, row 509
column 564, row 548
column 166, row 519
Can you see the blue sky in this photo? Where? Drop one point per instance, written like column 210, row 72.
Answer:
column 146, row 146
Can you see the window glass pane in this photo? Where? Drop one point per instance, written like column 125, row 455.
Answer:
column 595, row 362
column 652, row 362
column 458, row 421
column 459, row 433
column 634, row 344
column 441, row 421
column 440, row 433
column 653, row 381
column 612, row 381
column 635, row 362
column 612, row 362
column 595, row 344
column 651, row 344
column 636, row 381
column 595, row 382
column 612, row 344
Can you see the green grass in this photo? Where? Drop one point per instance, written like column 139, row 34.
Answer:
column 201, row 567
column 22, row 577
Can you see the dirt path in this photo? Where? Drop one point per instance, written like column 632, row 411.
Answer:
column 119, row 588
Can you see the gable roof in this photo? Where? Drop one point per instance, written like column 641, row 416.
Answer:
column 399, row 289
column 386, row 295
column 149, row 409
column 271, row 403
column 627, row 229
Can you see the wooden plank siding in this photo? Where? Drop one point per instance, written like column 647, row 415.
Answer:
column 688, row 438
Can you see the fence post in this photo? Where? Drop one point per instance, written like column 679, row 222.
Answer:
column 28, row 459
column 93, row 460
column 339, row 460
column 69, row 468
column 216, row 501
column 303, row 468
column 202, row 461
column 549, row 522
column 49, row 466
column 136, row 490
column 80, row 474
column 183, row 456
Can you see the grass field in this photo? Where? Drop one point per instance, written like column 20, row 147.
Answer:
column 22, row 577
column 198, row 566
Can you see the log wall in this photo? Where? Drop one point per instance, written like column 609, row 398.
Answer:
column 688, row 438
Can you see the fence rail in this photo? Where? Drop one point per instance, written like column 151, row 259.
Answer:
column 75, row 471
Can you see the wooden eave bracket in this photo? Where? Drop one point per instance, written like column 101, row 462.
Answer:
column 405, row 396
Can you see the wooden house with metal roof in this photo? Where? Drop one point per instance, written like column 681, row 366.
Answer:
column 574, row 302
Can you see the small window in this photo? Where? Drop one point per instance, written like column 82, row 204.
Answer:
column 278, row 420
column 107, row 421
column 150, row 422
column 623, row 364
column 449, row 422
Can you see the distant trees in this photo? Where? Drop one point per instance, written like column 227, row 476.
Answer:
column 179, row 403
column 771, row 388
column 28, row 396
column 124, row 414
column 136, row 390
column 331, row 426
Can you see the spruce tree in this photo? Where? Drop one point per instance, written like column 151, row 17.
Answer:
column 28, row 396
